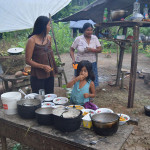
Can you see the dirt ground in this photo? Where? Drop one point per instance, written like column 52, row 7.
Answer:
column 116, row 99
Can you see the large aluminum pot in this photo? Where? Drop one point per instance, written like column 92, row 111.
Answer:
column 116, row 15
column 105, row 124
column 67, row 119
column 26, row 108
column 44, row 116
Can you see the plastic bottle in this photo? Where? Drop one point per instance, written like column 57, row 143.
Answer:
column 136, row 8
column 105, row 15
column 17, row 147
column 145, row 12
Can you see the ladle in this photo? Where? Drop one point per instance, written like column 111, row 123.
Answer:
column 22, row 92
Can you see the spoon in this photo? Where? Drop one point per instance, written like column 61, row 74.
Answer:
column 22, row 92
column 101, row 139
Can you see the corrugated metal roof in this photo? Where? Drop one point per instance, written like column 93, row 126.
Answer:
column 95, row 10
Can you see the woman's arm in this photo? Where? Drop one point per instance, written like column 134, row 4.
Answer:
column 97, row 50
column 72, row 54
column 92, row 91
column 28, row 56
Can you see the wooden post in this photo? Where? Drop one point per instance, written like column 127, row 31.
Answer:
column 120, row 58
column 134, row 58
column 117, row 55
column 56, row 46
column 4, row 143
column 122, row 80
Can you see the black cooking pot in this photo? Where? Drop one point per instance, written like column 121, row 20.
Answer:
column 44, row 116
column 147, row 110
column 67, row 120
column 105, row 124
column 26, row 108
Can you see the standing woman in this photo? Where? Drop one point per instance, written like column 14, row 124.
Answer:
column 87, row 46
column 39, row 56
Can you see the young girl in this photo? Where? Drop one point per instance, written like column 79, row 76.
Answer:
column 84, row 88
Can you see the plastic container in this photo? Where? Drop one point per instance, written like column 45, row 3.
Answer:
column 105, row 15
column 121, row 37
column 9, row 101
column 87, row 122
column 136, row 8
column 145, row 12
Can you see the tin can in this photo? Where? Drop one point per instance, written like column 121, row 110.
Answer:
column 42, row 92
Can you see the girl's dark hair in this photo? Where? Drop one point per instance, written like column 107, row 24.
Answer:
column 40, row 26
column 86, row 25
column 88, row 66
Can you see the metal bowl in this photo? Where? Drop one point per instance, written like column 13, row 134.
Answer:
column 105, row 123
column 116, row 15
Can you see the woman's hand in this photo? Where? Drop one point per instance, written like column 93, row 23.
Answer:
column 88, row 49
column 86, row 95
column 47, row 68
column 97, row 50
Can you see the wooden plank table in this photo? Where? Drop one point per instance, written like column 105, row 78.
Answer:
column 29, row 133
column 16, row 82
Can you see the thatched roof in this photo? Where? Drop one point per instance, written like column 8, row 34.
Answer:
column 95, row 10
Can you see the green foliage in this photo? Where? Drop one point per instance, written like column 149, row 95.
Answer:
column 147, row 50
column 13, row 39
column 63, row 37
column 58, row 62
column 145, row 31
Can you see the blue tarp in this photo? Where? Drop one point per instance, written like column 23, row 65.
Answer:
column 79, row 24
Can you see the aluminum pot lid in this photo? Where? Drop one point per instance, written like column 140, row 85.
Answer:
column 66, row 112
column 147, row 107
column 105, row 117
column 44, row 111
column 15, row 50
column 29, row 102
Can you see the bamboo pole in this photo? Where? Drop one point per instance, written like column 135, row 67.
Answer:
column 56, row 47
column 54, row 36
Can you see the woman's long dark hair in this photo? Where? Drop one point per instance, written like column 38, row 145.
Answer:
column 88, row 66
column 86, row 25
column 40, row 26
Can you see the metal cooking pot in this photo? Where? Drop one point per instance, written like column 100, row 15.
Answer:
column 44, row 116
column 116, row 15
column 26, row 108
column 67, row 119
column 105, row 124
column 147, row 110
column 39, row 97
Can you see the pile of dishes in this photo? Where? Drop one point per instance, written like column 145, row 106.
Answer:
column 53, row 110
